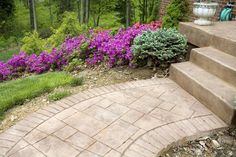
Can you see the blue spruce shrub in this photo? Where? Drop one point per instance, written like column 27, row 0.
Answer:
column 159, row 48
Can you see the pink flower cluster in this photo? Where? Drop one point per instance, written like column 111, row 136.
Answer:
column 102, row 46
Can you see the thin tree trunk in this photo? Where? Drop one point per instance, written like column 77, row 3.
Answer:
column 127, row 13
column 98, row 20
column 50, row 12
column 82, row 11
column 143, row 11
column 33, row 19
column 87, row 11
column 94, row 21
column 78, row 9
column 98, row 16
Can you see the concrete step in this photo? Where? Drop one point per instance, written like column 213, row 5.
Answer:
column 210, row 90
column 220, row 35
column 216, row 62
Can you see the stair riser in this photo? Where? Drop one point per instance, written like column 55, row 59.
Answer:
column 218, row 69
column 225, row 45
column 201, row 38
column 211, row 101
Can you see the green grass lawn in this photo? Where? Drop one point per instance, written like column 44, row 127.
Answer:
column 5, row 55
column 15, row 92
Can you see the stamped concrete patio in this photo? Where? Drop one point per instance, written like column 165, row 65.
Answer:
column 133, row 119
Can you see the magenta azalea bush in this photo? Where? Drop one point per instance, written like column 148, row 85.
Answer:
column 97, row 47
column 117, row 49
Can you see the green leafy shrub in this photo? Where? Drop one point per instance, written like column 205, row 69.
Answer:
column 160, row 47
column 70, row 27
column 9, row 42
column 58, row 95
column 32, row 43
column 45, row 33
column 3, row 43
column 177, row 10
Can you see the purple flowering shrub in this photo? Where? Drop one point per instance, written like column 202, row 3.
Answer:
column 117, row 49
column 97, row 47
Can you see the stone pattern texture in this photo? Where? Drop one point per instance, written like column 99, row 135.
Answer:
column 222, row 3
column 133, row 119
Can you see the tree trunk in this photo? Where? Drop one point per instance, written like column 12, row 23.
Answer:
column 143, row 11
column 82, row 13
column 78, row 9
column 98, row 15
column 87, row 12
column 127, row 13
column 98, row 20
column 33, row 19
column 50, row 11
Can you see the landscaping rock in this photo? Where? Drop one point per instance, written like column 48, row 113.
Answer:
column 220, row 144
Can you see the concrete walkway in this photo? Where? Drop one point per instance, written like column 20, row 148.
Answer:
column 133, row 119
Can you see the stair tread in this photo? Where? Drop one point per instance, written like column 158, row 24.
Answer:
column 218, row 56
column 214, row 84
column 225, row 30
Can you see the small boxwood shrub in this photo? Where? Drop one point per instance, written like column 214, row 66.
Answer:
column 160, row 47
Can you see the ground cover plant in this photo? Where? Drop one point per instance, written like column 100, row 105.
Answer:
column 59, row 95
column 15, row 92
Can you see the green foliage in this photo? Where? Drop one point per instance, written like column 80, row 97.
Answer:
column 153, row 10
column 15, row 92
column 7, row 8
column 64, row 5
column 19, row 24
column 110, row 21
column 76, row 81
column 99, row 8
column 177, row 11
column 32, row 43
column 69, row 27
column 6, row 43
column 5, row 55
column 74, row 62
column 121, row 11
column 58, row 95
column 163, row 46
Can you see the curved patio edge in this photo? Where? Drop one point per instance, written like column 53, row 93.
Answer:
column 158, row 140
